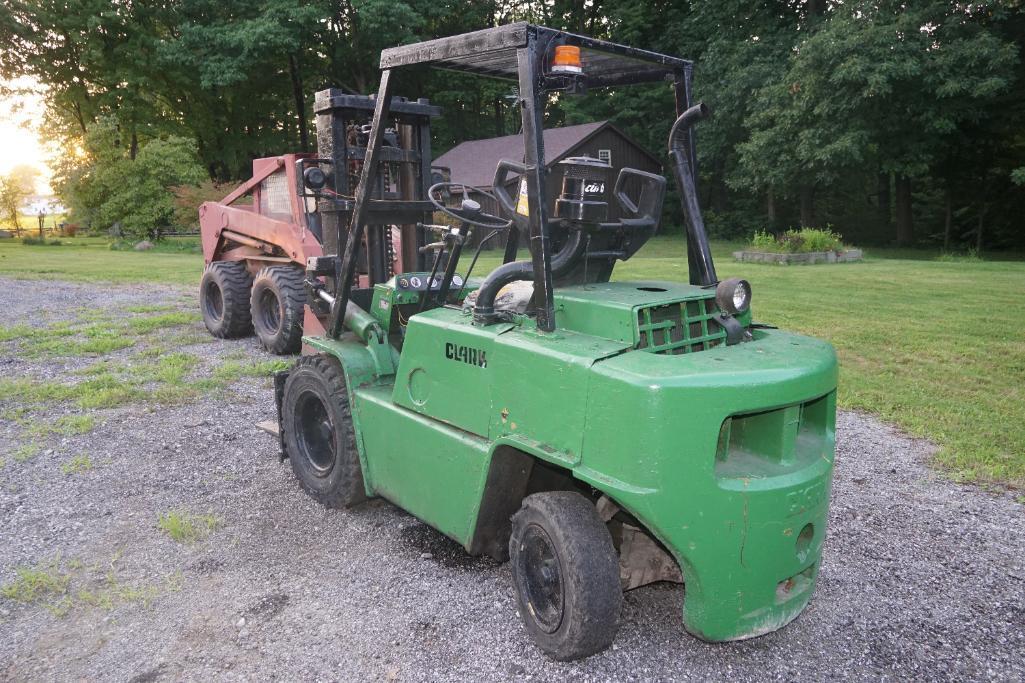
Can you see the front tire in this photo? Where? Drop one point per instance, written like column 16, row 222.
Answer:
column 318, row 434
column 278, row 303
column 224, row 299
column 566, row 574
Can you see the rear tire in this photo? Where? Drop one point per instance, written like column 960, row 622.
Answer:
column 278, row 304
column 566, row 574
column 317, row 432
column 224, row 299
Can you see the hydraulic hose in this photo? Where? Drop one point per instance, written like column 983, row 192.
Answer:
column 699, row 255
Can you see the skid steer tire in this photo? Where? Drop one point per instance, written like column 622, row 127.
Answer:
column 278, row 304
column 317, row 432
column 224, row 299
column 566, row 574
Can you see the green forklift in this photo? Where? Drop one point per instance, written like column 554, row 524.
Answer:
column 598, row 435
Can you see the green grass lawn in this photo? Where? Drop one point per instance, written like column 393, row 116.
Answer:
column 90, row 259
column 936, row 347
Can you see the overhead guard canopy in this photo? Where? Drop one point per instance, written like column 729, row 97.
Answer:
column 492, row 52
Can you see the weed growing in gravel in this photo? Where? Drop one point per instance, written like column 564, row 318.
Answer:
column 34, row 334
column 26, row 452
column 66, row 339
column 166, row 320
column 66, row 425
column 101, row 391
column 111, row 591
column 185, row 527
column 100, row 336
column 105, row 391
column 149, row 377
column 34, row 583
column 233, row 370
column 149, row 308
column 169, row 368
column 55, row 587
column 15, row 332
column 79, row 463
column 192, row 338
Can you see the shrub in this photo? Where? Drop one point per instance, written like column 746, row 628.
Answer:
column 800, row 241
column 970, row 256
column 40, row 242
column 821, row 240
column 764, row 241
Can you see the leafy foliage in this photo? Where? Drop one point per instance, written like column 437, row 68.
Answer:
column 801, row 241
column 863, row 113
column 15, row 187
column 131, row 196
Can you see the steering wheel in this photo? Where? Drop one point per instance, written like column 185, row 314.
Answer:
column 469, row 212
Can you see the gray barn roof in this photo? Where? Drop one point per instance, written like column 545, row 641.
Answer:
column 473, row 162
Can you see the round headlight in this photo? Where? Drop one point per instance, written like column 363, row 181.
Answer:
column 733, row 295
column 314, row 178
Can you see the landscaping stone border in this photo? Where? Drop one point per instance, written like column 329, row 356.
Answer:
column 846, row 256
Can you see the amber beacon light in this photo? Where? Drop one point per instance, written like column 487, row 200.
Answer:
column 567, row 60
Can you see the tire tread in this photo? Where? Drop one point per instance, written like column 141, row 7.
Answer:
column 351, row 489
column 574, row 526
column 235, row 284
column 287, row 283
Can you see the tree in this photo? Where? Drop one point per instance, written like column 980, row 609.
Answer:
column 139, row 193
column 879, row 84
column 15, row 188
column 822, row 111
column 105, row 186
column 12, row 195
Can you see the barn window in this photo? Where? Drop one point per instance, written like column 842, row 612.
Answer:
column 605, row 155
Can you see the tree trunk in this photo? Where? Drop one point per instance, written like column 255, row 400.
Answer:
column 948, row 215
column 883, row 202
column 978, row 228
column 133, row 147
column 770, row 207
column 808, row 219
column 720, row 197
column 905, row 224
column 300, row 101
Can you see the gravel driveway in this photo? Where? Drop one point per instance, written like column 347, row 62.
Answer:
column 922, row 578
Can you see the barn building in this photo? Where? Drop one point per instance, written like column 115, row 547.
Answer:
column 474, row 162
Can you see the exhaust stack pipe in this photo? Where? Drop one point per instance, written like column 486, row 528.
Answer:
column 699, row 256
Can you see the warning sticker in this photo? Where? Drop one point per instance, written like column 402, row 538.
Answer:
column 522, row 207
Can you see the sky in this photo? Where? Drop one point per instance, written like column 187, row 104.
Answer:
column 19, row 142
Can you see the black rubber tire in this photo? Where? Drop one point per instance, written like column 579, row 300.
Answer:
column 325, row 460
column 278, row 303
column 585, row 620
column 224, row 299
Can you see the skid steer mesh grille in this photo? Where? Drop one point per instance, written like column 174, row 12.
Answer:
column 682, row 327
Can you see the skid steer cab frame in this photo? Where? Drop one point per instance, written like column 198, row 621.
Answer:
column 600, row 435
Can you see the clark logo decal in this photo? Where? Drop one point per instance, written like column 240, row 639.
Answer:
column 466, row 354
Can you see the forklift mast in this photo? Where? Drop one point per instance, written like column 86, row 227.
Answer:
column 392, row 241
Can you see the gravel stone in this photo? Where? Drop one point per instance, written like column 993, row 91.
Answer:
column 922, row 578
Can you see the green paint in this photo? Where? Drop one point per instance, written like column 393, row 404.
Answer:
column 724, row 454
